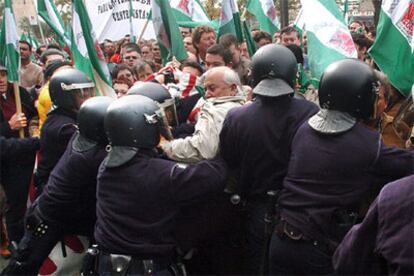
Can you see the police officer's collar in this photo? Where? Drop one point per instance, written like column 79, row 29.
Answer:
column 331, row 121
column 272, row 88
column 82, row 144
column 119, row 156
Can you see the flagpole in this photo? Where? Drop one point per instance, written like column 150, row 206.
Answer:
column 18, row 104
column 40, row 25
column 143, row 31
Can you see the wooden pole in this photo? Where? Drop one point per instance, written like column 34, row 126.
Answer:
column 18, row 104
column 143, row 31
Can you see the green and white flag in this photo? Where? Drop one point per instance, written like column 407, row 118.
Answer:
column 230, row 20
column 133, row 32
column 9, row 43
column 394, row 46
column 190, row 13
column 86, row 51
column 48, row 11
column 265, row 13
column 251, row 45
column 328, row 36
column 167, row 31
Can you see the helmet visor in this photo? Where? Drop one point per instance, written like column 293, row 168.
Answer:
column 170, row 112
column 160, row 120
column 404, row 120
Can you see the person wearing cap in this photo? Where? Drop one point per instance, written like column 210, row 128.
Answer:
column 336, row 163
column 221, row 85
column 30, row 74
column 16, row 170
column 69, row 88
column 263, row 130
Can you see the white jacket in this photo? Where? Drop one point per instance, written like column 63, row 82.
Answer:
column 204, row 142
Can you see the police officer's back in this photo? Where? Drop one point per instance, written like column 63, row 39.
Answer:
column 255, row 139
column 335, row 163
column 68, row 89
column 67, row 204
column 139, row 195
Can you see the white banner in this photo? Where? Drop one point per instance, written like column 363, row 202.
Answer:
column 110, row 18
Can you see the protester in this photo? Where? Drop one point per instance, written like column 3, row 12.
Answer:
column 221, row 86
column 16, row 171
column 121, row 86
column 30, row 73
column 217, row 55
column 262, row 38
column 203, row 38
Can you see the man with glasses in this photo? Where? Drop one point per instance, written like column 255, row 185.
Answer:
column 131, row 57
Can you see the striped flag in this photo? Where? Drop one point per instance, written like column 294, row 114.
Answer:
column 48, row 11
column 265, row 13
column 394, row 46
column 9, row 43
column 190, row 13
column 230, row 20
column 167, row 31
column 86, row 51
column 328, row 36
column 251, row 45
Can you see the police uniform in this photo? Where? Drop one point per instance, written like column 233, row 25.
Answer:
column 383, row 242
column 255, row 141
column 59, row 127
column 60, row 124
column 139, row 195
column 335, row 164
column 67, row 204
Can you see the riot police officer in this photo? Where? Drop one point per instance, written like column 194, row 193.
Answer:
column 139, row 195
column 67, row 204
column 263, row 131
column 160, row 94
column 336, row 162
column 69, row 88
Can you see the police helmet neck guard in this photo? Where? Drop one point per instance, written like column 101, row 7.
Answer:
column 65, row 85
column 132, row 123
column 90, row 119
column 273, row 71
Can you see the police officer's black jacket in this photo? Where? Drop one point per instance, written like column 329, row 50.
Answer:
column 69, row 198
column 138, row 202
column 332, row 175
column 15, row 147
column 255, row 140
column 56, row 132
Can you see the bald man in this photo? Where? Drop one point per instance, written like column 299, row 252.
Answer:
column 221, row 86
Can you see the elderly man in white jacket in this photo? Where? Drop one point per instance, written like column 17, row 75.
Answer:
column 221, row 86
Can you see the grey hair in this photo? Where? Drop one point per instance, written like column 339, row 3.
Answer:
column 229, row 76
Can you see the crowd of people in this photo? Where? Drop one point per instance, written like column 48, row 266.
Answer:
column 223, row 163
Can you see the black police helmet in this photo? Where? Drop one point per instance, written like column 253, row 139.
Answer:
column 133, row 121
column 274, row 69
column 64, row 86
column 152, row 90
column 91, row 118
column 350, row 86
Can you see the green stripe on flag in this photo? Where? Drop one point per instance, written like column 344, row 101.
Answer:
column 9, row 43
column 393, row 55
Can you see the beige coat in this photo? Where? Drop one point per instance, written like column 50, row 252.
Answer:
column 204, row 142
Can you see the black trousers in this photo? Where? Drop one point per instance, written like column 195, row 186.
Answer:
column 16, row 181
column 35, row 246
column 298, row 257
